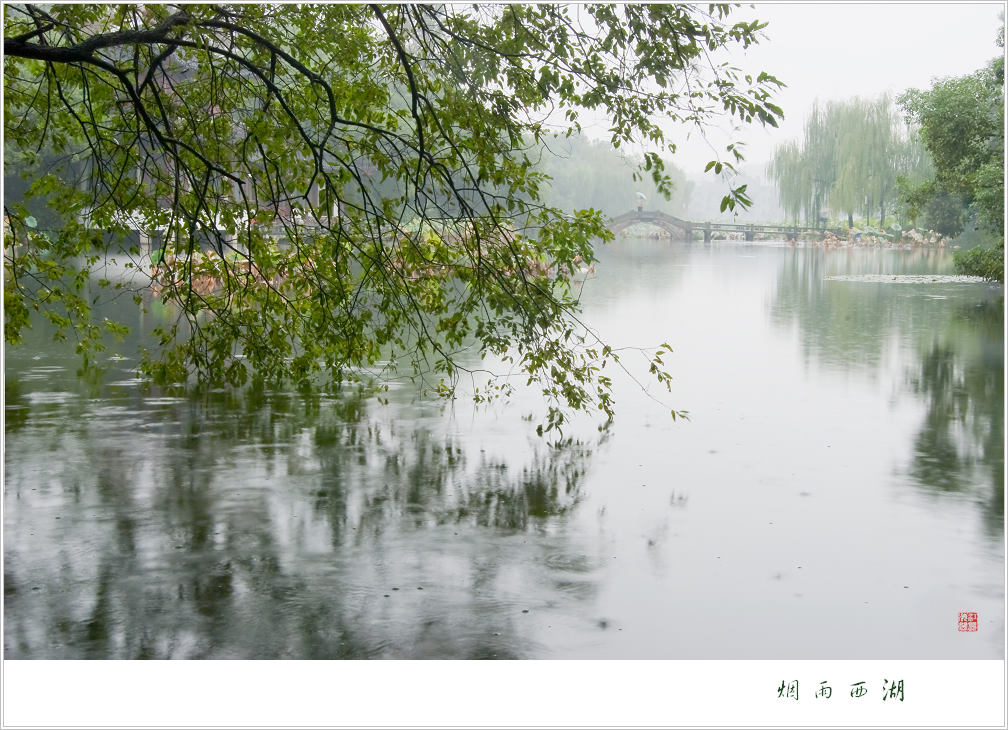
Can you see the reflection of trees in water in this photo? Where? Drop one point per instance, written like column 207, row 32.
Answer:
column 958, row 348
column 850, row 323
column 962, row 435
column 422, row 480
column 194, row 531
column 840, row 323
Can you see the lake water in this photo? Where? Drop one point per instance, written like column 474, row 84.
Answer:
column 837, row 492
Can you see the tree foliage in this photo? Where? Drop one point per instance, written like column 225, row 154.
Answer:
column 962, row 126
column 849, row 162
column 333, row 192
column 930, row 205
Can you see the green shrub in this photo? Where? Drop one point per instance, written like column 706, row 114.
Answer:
column 984, row 261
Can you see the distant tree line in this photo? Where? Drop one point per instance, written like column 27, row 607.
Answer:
column 586, row 173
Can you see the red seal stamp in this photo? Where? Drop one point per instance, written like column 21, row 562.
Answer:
column 967, row 621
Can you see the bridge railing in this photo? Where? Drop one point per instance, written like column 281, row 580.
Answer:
column 664, row 220
column 766, row 228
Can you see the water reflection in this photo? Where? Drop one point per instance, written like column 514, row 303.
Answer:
column 261, row 524
column 960, row 445
column 949, row 337
column 830, row 421
column 840, row 323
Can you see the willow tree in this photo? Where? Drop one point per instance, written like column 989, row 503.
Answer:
column 786, row 168
column 804, row 173
column 820, row 158
column 874, row 150
column 334, row 190
column 852, row 156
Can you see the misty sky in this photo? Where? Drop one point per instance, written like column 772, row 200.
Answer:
column 841, row 50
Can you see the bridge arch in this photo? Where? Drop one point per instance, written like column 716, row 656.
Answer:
column 676, row 227
column 683, row 230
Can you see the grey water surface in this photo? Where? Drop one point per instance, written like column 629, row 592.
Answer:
column 838, row 491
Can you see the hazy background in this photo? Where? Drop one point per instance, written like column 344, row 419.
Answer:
column 829, row 51
column 840, row 50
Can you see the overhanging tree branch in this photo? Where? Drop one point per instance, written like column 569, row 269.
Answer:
column 365, row 177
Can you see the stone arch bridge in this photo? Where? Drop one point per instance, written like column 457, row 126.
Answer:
column 684, row 230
